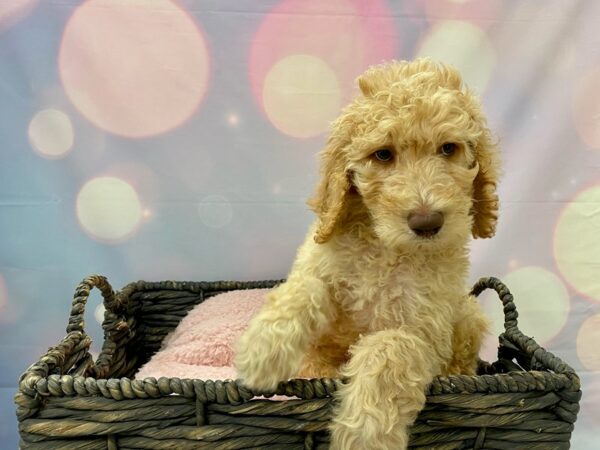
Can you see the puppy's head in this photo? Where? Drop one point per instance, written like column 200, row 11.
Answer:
column 416, row 149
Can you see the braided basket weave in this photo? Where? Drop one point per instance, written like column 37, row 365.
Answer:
column 528, row 399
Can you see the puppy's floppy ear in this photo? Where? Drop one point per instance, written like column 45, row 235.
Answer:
column 334, row 185
column 485, row 199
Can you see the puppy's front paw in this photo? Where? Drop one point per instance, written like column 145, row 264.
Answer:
column 265, row 356
column 367, row 434
column 372, row 410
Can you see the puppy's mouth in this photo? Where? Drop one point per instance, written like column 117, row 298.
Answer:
column 427, row 234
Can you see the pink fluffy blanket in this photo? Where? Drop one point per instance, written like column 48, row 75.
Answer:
column 202, row 344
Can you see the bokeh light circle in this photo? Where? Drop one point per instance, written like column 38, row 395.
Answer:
column 301, row 95
column 542, row 301
column 51, row 133
column 464, row 46
column 339, row 39
column 576, row 243
column 108, row 209
column 586, row 108
column 588, row 338
column 136, row 68
column 233, row 119
column 215, row 211
column 99, row 313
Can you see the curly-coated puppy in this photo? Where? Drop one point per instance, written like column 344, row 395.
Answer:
column 377, row 293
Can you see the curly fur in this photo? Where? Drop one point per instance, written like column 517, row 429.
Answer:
column 366, row 298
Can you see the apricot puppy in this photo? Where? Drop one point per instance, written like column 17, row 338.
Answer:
column 377, row 293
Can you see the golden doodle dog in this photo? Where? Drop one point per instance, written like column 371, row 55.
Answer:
column 377, row 293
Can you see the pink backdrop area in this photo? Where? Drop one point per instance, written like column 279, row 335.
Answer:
column 163, row 139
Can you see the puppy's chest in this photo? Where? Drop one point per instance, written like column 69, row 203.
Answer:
column 379, row 297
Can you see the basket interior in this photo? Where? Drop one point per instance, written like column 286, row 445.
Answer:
column 154, row 310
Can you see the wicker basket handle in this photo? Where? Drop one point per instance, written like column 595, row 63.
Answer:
column 529, row 353
column 82, row 293
column 510, row 310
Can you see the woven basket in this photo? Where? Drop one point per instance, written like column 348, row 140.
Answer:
column 528, row 399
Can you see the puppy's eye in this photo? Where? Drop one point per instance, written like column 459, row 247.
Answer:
column 383, row 155
column 448, row 149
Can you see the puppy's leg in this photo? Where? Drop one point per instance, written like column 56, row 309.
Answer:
column 388, row 372
column 273, row 347
column 323, row 360
column 468, row 335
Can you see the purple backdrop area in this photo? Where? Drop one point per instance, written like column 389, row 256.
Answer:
column 177, row 140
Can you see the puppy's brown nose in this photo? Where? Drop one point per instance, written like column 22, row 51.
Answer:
column 425, row 225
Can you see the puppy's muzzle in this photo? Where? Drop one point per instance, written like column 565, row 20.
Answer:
column 425, row 224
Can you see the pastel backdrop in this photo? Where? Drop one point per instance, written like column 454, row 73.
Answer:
column 157, row 139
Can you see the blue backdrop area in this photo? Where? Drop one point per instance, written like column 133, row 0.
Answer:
column 163, row 139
